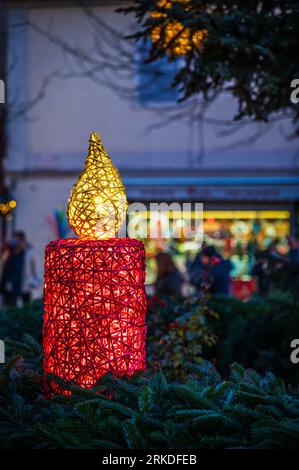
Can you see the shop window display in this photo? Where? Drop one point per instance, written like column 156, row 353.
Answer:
column 236, row 235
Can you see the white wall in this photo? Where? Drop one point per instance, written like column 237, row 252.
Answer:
column 55, row 132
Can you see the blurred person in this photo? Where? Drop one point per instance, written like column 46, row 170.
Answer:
column 210, row 272
column 7, row 274
column 260, row 272
column 169, row 280
column 272, row 248
column 252, row 249
column 270, row 266
column 194, row 268
column 215, row 271
column 18, row 270
column 275, row 258
column 293, row 254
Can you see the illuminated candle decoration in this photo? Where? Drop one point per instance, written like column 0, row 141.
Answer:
column 172, row 35
column 95, row 302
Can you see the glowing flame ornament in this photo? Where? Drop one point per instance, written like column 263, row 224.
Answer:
column 97, row 206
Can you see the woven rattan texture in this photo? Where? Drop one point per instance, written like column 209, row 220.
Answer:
column 98, row 204
column 95, row 306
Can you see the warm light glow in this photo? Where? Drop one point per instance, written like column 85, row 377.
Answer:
column 6, row 207
column 94, row 295
column 12, row 204
column 247, row 214
column 95, row 306
column 97, row 205
column 275, row 214
column 177, row 39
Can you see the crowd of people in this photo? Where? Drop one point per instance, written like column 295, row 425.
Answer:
column 209, row 271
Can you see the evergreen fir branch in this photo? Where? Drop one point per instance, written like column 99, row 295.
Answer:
column 133, row 436
column 145, row 399
column 158, row 384
column 220, row 442
column 104, row 444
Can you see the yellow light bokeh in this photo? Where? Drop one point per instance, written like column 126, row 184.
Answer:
column 223, row 215
column 177, row 39
column 97, row 205
column 6, row 207
column 12, row 204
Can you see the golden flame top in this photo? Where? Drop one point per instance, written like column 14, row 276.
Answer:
column 97, row 205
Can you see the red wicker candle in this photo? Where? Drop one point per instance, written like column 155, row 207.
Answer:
column 95, row 303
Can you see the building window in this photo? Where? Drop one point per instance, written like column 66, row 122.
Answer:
column 155, row 79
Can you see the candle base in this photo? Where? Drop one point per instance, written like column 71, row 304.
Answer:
column 95, row 306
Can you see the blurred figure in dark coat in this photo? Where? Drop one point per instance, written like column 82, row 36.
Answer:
column 293, row 254
column 17, row 270
column 260, row 272
column 210, row 271
column 169, row 280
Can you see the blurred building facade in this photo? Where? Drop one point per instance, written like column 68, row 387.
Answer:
column 63, row 84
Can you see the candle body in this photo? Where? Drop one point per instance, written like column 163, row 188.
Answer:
column 95, row 306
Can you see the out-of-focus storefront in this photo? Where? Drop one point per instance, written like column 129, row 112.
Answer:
column 240, row 217
column 235, row 234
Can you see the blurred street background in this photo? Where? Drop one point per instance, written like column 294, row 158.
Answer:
column 69, row 70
